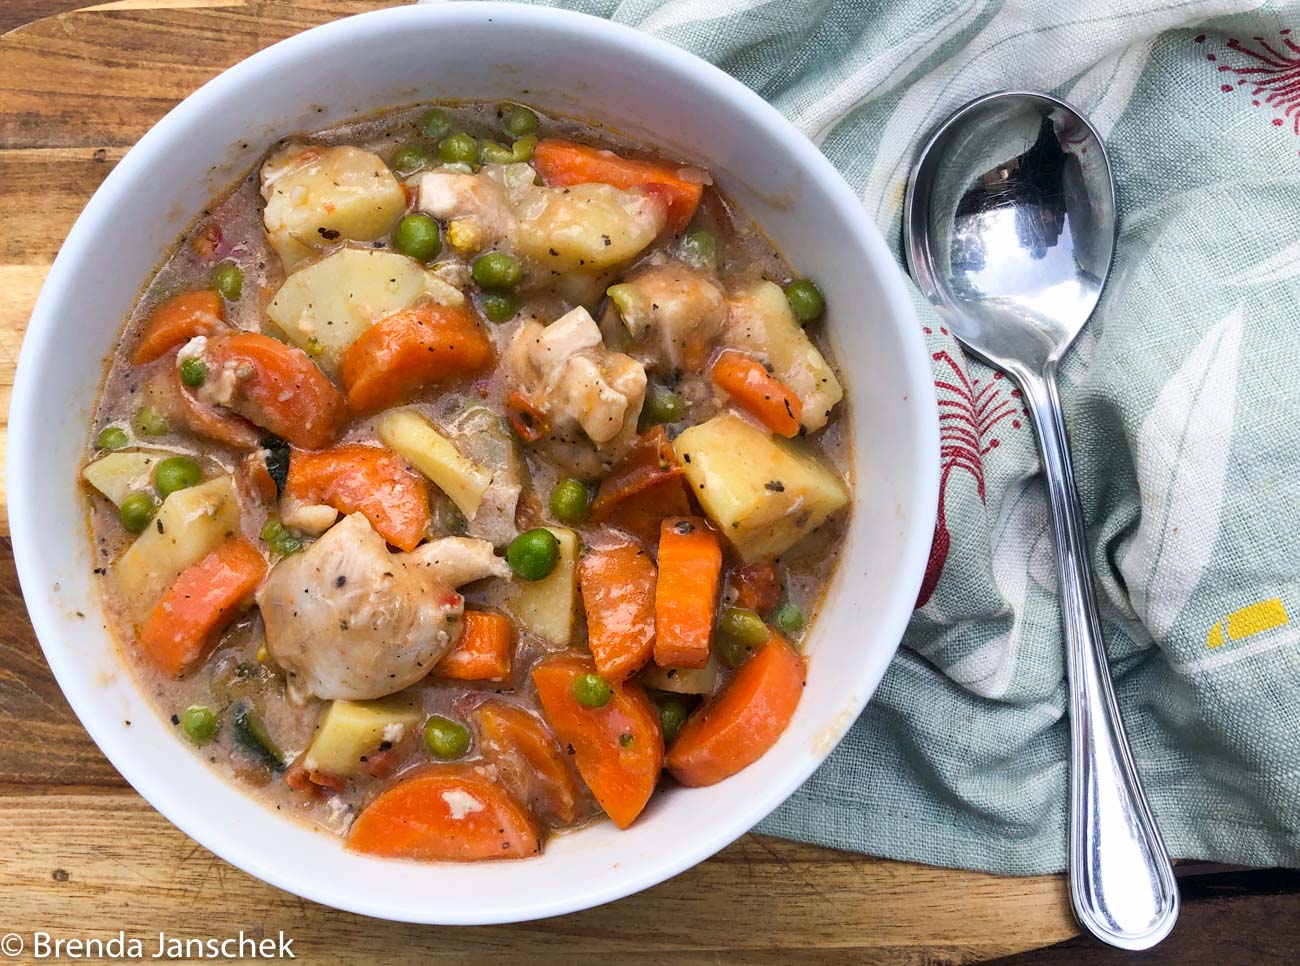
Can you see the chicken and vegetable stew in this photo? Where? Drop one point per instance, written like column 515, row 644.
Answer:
column 462, row 473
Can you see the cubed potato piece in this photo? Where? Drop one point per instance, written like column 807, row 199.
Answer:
column 549, row 607
column 189, row 525
column 587, row 227
column 317, row 196
column 760, row 321
column 414, row 438
column 683, row 680
column 351, row 729
column 324, row 307
column 118, row 475
column 762, row 493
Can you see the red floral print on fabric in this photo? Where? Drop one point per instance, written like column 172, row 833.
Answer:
column 968, row 414
column 1269, row 70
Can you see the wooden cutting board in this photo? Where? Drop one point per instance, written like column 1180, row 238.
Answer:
column 82, row 855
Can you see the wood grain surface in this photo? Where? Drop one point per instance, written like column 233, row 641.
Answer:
column 82, row 855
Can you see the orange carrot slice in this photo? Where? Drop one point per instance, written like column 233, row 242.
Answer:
column 686, row 596
column 644, row 487
column 529, row 760
column 448, row 813
column 618, row 748
column 733, row 730
column 758, row 392
column 563, row 163
column 527, row 419
column 279, row 388
column 354, row 478
column 618, row 592
column 176, row 321
column 401, row 354
column 170, row 398
column 198, row 605
column 484, row 650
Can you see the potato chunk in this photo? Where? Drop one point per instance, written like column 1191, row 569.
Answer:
column 118, row 475
column 760, row 322
column 548, row 607
column 415, row 438
column 318, row 196
column 762, row 493
column 350, row 729
column 586, row 227
column 324, row 307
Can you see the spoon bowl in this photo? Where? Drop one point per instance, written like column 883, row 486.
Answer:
column 1010, row 219
column 1010, row 226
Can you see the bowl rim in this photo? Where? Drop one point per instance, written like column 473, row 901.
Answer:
column 23, row 488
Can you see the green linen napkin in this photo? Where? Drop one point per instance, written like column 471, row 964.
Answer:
column 1183, row 404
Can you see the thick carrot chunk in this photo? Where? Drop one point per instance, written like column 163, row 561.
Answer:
column 563, row 163
column 686, row 597
column 733, row 730
column 196, row 608
column 448, row 813
column 758, row 392
column 277, row 387
column 354, row 478
column 529, row 760
column 618, row 592
column 405, row 352
column 484, row 650
column 618, row 747
column 176, row 321
column 644, row 487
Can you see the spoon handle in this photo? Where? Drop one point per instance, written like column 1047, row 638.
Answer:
column 1121, row 882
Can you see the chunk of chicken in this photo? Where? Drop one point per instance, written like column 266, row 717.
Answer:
column 567, row 372
column 346, row 618
column 760, row 322
column 477, row 207
column 317, row 196
column 674, row 311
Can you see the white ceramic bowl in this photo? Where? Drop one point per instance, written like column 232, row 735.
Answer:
column 578, row 65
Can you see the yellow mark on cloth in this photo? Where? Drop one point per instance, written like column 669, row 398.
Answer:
column 1254, row 619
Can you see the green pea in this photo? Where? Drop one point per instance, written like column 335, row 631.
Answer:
column 435, row 123
column 498, row 271
column 199, row 724
column 136, row 511
column 522, row 149
column 194, row 372
column 458, row 149
column 491, row 152
column 417, row 236
column 533, row 554
column 805, row 300
column 699, row 246
column 591, row 691
column 787, row 617
column 112, row 438
column 280, row 540
column 410, row 158
column 743, row 626
column 228, row 280
column 176, row 473
column 150, row 423
column 500, row 306
column 445, row 738
column 662, row 405
column 672, row 715
column 518, row 121
column 570, row 501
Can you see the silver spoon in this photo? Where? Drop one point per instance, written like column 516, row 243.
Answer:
column 1009, row 225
